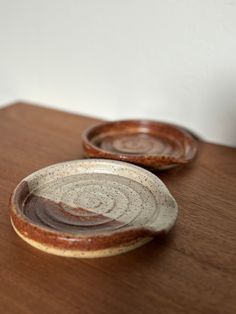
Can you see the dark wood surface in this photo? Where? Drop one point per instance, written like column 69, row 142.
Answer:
column 192, row 270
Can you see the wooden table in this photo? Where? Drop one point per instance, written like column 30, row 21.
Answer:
column 192, row 270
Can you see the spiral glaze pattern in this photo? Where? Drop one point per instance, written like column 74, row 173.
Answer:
column 141, row 143
column 81, row 204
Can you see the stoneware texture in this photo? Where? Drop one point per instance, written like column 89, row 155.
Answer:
column 91, row 208
column 146, row 143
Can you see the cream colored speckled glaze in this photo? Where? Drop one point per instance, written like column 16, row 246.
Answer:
column 91, row 208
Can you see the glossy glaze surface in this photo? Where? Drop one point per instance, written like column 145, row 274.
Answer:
column 146, row 143
column 91, row 208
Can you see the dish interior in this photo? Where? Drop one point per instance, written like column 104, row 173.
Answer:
column 138, row 138
column 95, row 197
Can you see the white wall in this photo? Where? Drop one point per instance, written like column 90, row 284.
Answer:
column 160, row 59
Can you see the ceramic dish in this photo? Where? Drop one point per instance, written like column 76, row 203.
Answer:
column 91, row 208
column 145, row 143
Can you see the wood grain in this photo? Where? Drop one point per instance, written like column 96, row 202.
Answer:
column 193, row 270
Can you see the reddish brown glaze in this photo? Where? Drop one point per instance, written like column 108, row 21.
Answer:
column 46, row 222
column 146, row 143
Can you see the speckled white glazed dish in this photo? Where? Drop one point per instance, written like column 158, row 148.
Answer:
column 91, row 208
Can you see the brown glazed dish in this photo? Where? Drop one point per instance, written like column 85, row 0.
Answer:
column 91, row 208
column 146, row 143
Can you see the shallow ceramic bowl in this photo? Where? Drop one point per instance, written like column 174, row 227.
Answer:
column 91, row 208
column 146, row 143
